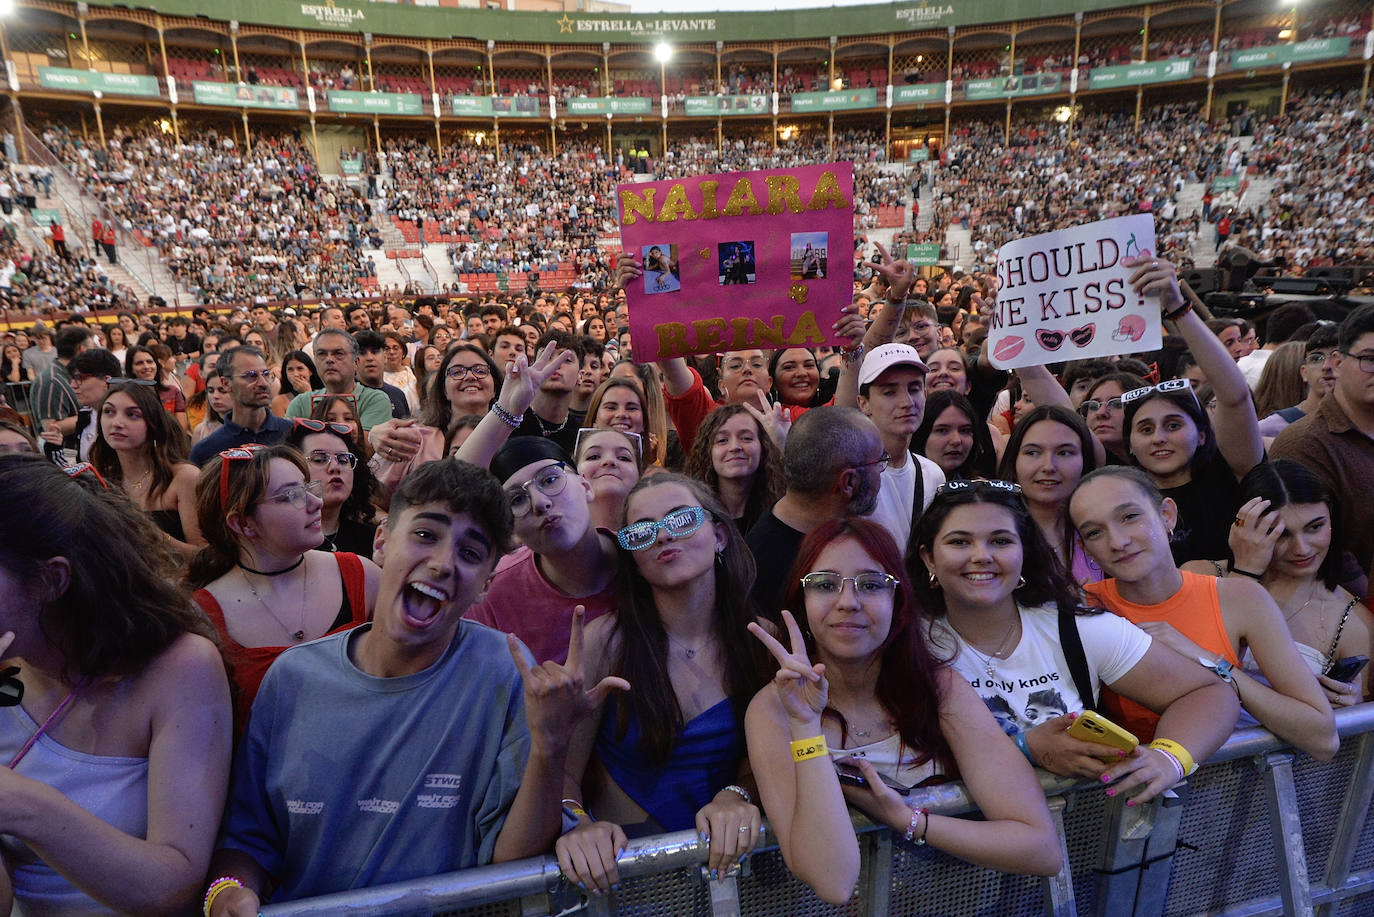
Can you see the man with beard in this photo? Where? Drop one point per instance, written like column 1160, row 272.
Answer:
column 833, row 464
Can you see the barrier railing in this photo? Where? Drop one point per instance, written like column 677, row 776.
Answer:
column 1237, row 838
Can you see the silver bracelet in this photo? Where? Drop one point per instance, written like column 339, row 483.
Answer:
column 743, row 793
column 507, row 417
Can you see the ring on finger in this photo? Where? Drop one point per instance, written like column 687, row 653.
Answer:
column 743, row 829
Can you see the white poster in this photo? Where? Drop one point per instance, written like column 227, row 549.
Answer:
column 1065, row 295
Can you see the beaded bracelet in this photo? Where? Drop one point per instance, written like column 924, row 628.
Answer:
column 911, row 827
column 507, row 417
column 218, row 886
column 743, row 793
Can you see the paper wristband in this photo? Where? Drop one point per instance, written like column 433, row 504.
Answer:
column 1178, row 751
column 804, row 749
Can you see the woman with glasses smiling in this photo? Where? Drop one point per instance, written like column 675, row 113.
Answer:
column 668, row 755
column 336, row 463
column 260, row 579
column 877, row 702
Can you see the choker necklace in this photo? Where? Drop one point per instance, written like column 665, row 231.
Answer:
column 273, row 572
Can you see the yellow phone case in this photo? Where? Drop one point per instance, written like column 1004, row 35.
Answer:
column 1093, row 727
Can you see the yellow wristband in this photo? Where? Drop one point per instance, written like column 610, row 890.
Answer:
column 803, row 749
column 220, row 885
column 1178, row 751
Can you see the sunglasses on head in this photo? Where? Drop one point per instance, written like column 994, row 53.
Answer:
column 320, row 426
column 320, row 397
column 587, row 431
column 228, row 456
column 1173, row 385
column 978, row 486
column 123, row 380
column 81, row 468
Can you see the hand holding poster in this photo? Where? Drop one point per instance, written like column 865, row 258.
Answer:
column 739, row 261
column 1065, row 295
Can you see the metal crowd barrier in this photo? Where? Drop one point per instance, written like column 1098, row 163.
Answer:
column 1260, row 829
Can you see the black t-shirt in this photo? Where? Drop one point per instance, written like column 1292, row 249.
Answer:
column 775, row 545
column 1206, row 508
column 351, row 538
column 565, row 434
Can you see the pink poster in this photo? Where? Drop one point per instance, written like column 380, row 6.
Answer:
column 739, row 260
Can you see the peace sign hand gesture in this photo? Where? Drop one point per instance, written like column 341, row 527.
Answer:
column 899, row 274
column 554, row 699
column 801, row 685
column 524, row 378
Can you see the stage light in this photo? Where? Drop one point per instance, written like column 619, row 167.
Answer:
column 663, row 52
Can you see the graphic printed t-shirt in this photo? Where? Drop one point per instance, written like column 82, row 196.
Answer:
column 1034, row 683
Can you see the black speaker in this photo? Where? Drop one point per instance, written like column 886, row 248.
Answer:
column 1202, row 280
column 1306, row 286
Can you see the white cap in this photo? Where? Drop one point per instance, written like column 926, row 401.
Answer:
column 882, row 358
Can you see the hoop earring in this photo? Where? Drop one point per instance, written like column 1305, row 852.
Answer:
column 934, row 583
column 1021, row 583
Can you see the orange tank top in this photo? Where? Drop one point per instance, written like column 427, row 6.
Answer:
column 1194, row 611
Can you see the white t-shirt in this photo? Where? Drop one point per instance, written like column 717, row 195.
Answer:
column 1034, row 683
column 897, row 496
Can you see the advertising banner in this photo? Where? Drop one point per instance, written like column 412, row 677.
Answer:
column 242, row 95
column 376, row 103
column 607, row 105
column 711, row 106
column 1162, row 71
column 1002, row 87
column 115, row 84
column 836, row 100
column 495, row 106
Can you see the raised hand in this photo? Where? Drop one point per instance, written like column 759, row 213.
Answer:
column 555, row 701
column 801, row 686
column 899, row 274
column 772, row 417
column 1253, row 534
column 396, row 440
column 1156, row 277
column 523, row 378
column 628, row 269
column 850, row 324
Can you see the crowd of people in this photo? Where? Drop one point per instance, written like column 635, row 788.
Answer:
column 579, row 599
column 231, row 225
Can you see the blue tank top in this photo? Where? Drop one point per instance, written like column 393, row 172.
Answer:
column 705, row 759
column 115, row 790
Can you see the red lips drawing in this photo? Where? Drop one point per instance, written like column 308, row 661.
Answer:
column 1053, row 340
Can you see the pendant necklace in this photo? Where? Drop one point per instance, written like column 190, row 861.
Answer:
column 997, row 653
column 297, row 635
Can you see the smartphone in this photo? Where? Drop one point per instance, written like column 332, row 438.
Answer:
column 1348, row 669
column 852, row 776
column 1093, row 727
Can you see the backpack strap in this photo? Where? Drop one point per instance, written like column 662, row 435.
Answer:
column 1072, row 644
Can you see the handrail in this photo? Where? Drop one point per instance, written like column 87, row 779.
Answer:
column 660, row 853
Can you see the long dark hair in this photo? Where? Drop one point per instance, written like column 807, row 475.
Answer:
column 1284, row 482
column 437, row 411
column 1006, row 470
column 982, row 458
column 765, row 489
column 908, row 688
column 358, row 506
column 1044, row 579
column 121, row 607
column 642, row 658
column 165, row 442
column 1185, row 400
column 300, row 356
